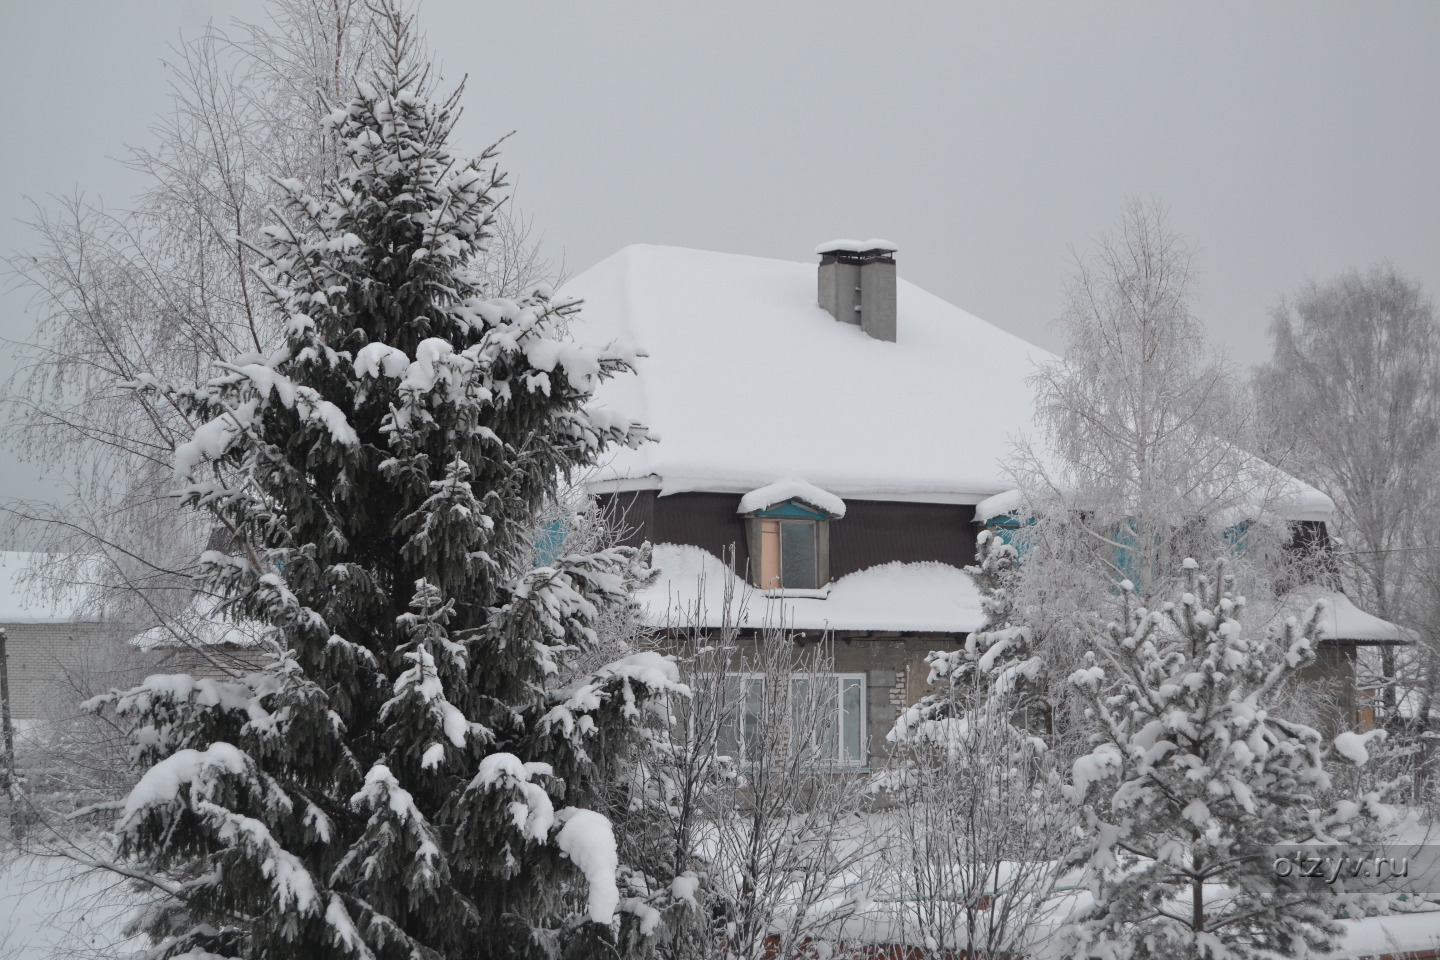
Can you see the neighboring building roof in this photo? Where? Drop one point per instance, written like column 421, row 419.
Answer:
column 748, row 381
column 1343, row 621
column 905, row 597
column 23, row 601
column 201, row 625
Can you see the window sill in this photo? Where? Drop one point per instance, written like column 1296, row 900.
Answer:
column 820, row 594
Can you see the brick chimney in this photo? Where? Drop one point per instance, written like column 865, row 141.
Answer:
column 857, row 284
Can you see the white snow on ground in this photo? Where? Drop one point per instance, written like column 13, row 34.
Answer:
column 21, row 602
column 894, row 596
column 50, row 907
column 783, row 490
column 748, row 379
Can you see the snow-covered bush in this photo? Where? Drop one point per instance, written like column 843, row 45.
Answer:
column 975, row 824
column 413, row 773
column 976, row 818
column 746, row 820
column 1195, row 772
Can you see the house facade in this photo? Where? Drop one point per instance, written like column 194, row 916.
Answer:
column 826, row 435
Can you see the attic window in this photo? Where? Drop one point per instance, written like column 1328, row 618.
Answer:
column 789, row 547
column 787, row 555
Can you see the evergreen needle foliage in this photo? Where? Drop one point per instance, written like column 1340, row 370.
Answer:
column 1194, row 774
column 408, row 775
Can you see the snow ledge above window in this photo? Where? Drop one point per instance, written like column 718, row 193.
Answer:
column 793, row 489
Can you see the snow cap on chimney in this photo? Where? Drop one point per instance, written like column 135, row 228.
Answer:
column 857, row 284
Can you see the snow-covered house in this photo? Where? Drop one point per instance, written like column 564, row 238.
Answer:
column 825, row 435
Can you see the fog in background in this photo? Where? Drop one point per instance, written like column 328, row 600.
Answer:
column 1289, row 140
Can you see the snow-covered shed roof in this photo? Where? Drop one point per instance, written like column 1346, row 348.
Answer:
column 749, row 380
column 201, row 624
column 909, row 597
column 1342, row 620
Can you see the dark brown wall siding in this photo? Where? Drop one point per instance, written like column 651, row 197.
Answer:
column 704, row 520
column 633, row 514
column 872, row 532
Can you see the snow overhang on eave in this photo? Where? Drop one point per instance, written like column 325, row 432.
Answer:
column 1344, row 623
column 667, row 486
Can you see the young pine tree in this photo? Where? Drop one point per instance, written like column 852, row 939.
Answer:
column 409, row 774
column 997, row 663
column 1194, row 776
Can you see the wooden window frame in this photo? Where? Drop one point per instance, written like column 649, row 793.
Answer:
column 765, row 565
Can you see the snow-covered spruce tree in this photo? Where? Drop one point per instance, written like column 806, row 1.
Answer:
column 1193, row 776
column 997, row 660
column 406, row 777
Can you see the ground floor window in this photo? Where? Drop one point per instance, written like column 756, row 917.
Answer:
column 827, row 721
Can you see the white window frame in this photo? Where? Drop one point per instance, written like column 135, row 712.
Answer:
column 857, row 762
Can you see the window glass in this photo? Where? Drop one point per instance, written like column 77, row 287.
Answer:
column 740, row 730
column 852, row 736
column 821, row 736
column 797, row 556
column 829, row 728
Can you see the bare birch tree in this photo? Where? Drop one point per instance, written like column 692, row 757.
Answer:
column 160, row 291
column 976, row 830
column 1144, row 450
column 1351, row 403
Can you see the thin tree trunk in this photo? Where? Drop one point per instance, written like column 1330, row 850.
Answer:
column 7, row 776
column 1197, row 896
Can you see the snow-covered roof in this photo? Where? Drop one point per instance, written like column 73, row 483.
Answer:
column 21, row 601
column 748, row 380
column 201, row 625
column 1342, row 620
column 922, row 597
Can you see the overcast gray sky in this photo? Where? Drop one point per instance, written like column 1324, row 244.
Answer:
column 1289, row 140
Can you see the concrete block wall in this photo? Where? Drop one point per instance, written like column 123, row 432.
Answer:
column 47, row 661
column 895, row 676
column 54, row 666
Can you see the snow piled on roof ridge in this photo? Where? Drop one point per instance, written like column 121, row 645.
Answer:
column 921, row 597
column 1001, row 504
column 748, row 378
column 202, row 624
column 792, row 489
